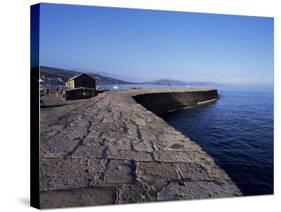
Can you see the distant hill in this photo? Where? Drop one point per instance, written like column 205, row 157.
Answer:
column 179, row 82
column 203, row 84
column 167, row 82
column 55, row 73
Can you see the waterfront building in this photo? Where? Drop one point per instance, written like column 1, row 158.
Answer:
column 81, row 86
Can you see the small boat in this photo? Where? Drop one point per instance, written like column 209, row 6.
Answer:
column 115, row 87
column 169, row 85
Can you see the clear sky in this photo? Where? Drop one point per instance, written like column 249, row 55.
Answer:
column 143, row 45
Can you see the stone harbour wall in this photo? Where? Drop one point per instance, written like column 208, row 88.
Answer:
column 161, row 102
column 111, row 150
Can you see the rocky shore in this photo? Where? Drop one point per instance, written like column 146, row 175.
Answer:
column 114, row 149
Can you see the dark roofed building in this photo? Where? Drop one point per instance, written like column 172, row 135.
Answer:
column 81, row 86
column 81, row 80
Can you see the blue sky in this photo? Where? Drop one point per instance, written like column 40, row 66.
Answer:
column 143, row 45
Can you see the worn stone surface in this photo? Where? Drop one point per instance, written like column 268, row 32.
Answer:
column 109, row 149
column 196, row 190
column 155, row 171
column 78, row 197
column 120, row 172
column 70, row 173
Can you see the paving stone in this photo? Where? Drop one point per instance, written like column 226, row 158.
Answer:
column 172, row 156
column 127, row 155
column 56, row 173
column 195, row 190
column 120, row 172
column 89, row 151
column 133, row 193
column 159, row 171
column 78, row 197
column 121, row 144
column 153, row 171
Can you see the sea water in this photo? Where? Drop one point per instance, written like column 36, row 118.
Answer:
column 237, row 131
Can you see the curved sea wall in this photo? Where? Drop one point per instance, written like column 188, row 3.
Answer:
column 161, row 102
column 111, row 150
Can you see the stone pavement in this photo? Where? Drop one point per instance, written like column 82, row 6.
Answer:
column 111, row 150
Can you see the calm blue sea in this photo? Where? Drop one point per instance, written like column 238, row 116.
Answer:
column 237, row 131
